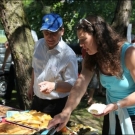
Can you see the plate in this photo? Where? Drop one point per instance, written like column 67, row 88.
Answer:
column 96, row 108
column 8, row 128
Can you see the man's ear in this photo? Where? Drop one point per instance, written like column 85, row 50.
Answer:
column 62, row 32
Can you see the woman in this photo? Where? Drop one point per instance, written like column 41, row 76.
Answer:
column 113, row 58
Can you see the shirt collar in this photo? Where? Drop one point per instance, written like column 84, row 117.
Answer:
column 59, row 46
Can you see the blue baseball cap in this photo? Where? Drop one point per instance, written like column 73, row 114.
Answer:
column 51, row 22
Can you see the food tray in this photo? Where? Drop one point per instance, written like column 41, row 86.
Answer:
column 30, row 119
column 4, row 109
column 8, row 128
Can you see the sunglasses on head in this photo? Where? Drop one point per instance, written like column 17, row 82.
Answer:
column 85, row 25
column 81, row 21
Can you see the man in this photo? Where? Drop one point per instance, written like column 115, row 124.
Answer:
column 55, row 68
column 11, row 79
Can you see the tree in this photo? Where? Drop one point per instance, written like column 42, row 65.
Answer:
column 122, row 16
column 18, row 33
column 71, row 12
column 21, row 43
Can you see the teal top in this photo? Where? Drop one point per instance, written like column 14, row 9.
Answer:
column 117, row 89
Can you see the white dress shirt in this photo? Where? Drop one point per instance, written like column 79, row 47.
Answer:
column 57, row 64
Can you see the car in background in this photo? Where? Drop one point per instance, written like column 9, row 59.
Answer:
column 4, row 74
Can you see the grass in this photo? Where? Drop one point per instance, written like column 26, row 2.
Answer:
column 82, row 116
column 3, row 39
column 14, row 100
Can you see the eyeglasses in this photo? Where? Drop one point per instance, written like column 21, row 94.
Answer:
column 85, row 25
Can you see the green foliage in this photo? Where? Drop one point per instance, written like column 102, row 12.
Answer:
column 71, row 12
column 34, row 15
column 27, row 2
column 132, row 17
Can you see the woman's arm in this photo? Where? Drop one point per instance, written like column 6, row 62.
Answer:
column 74, row 98
column 78, row 89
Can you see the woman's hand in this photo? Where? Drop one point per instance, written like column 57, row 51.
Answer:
column 60, row 120
column 109, row 108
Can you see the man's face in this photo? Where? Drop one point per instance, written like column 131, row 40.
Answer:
column 52, row 38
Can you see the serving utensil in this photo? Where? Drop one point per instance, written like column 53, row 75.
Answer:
column 50, row 131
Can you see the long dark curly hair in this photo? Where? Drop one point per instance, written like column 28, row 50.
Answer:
column 108, row 45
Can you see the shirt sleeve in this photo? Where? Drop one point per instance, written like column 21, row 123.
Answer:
column 35, row 48
column 70, row 74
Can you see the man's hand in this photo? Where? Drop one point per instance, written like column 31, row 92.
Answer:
column 46, row 87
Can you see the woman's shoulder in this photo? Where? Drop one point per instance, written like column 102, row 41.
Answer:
column 130, row 57
column 130, row 51
column 124, row 47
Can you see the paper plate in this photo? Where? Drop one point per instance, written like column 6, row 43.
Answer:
column 96, row 108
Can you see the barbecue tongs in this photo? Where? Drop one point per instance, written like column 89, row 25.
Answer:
column 50, row 131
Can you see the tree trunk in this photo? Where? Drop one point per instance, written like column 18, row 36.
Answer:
column 21, row 43
column 122, row 16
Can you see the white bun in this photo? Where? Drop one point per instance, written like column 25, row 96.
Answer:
column 96, row 108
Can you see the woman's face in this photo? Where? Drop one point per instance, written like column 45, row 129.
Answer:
column 87, row 41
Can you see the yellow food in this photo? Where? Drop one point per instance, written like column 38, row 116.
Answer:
column 7, row 128
column 31, row 119
column 94, row 111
